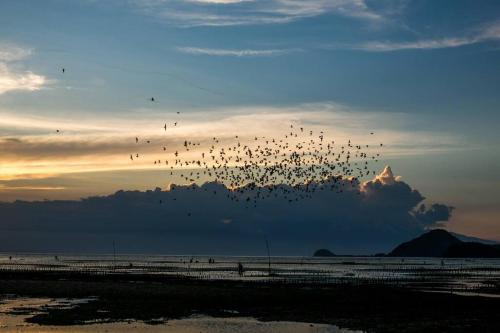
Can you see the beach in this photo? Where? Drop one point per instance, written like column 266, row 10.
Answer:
column 365, row 305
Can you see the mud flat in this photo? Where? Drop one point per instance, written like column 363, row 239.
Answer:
column 15, row 313
column 364, row 307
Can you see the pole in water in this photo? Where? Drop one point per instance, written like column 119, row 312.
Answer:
column 268, row 256
column 114, row 255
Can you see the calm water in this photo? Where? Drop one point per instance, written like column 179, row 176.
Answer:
column 14, row 312
column 458, row 275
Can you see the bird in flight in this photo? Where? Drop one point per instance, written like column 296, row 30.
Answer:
column 255, row 172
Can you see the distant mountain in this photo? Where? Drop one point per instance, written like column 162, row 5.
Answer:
column 441, row 243
column 434, row 243
column 323, row 253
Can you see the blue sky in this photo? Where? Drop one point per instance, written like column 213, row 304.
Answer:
column 424, row 75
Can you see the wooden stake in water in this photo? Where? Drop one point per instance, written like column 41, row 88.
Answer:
column 114, row 255
column 268, row 256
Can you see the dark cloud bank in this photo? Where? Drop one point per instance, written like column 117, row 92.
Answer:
column 364, row 218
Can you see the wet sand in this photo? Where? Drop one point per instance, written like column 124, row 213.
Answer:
column 365, row 307
column 15, row 313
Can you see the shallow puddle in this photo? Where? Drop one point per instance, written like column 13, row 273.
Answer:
column 14, row 311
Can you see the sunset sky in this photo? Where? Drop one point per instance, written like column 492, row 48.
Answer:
column 423, row 76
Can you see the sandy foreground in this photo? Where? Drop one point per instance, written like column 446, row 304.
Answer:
column 87, row 304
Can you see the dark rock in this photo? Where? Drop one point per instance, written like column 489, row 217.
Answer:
column 323, row 253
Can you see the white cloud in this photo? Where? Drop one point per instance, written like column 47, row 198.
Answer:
column 220, row 1
column 11, row 80
column 386, row 177
column 189, row 13
column 486, row 33
column 382, row 46
column 299, row 8
column 233, row 53
column 10, row 52
column 93, row 142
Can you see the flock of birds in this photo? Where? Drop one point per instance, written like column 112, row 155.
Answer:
column 292, row 166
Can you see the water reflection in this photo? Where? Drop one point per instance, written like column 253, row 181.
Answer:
column 14, row 311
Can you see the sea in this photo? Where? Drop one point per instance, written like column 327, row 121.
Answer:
column 468, row 277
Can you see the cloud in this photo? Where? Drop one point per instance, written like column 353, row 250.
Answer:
column 220, row 1
column 32, row 188
column 203, row 219
column 9, row 52
column 436, row 213
column 378, row 46
column 12, row 80
column 350, row 8
column 489, row 32
column 93, row 142
column 387, row 192
column 233, row 53
column 385, row 178
column 192, row 13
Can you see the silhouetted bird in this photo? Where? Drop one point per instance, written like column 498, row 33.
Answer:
column 291, row 167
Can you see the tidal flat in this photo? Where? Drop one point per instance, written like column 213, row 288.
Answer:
column 180, row 305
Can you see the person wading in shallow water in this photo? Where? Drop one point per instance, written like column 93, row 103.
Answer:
column 240, row 269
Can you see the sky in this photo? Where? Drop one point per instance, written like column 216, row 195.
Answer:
column 423, row 76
